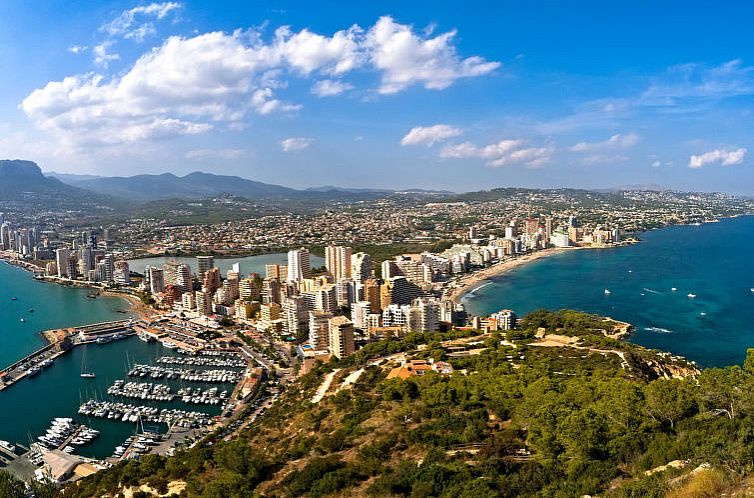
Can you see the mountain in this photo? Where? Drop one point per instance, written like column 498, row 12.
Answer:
column 192, row 186
column 21, row 179
column 70, row 178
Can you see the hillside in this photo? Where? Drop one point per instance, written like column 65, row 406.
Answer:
column 192, row 186
column 23, row 186
column 586, row 416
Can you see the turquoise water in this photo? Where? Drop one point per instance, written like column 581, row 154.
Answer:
column 715, row 261
column 27, row 406
column 249, row 264
column 54, row 306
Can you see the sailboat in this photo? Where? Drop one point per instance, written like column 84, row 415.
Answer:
column 85, row 374
column 607, row 291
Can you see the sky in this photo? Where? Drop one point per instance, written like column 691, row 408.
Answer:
column 439, row 95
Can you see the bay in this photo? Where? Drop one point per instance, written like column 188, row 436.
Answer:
column 714, row 261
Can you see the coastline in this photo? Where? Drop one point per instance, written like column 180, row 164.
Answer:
column 136, row 306
column 470, row 282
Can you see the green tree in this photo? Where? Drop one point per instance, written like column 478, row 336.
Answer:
column 668, row 400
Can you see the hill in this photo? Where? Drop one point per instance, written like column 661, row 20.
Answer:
column 192, row 186
column 572, row 413
column 23, row 186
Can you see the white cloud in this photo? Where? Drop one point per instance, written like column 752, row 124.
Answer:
column 263, row 102
column 697, row 81
column 77, row 49
column 295, row 143
column 656, row 164
column 617, row 141
column 128, row 25
column 102, row 55
column 329, row 88
column 430, row 135
column 503, row 153
column 724, row 157
column 190, row 85
column 405, row 58
column 200, row 154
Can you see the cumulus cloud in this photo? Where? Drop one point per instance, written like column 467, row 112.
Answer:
column 406, row 58
column 722, row 156
column 189, row 85
column 329, row 88
column 77, row 49
column 296, row 143
column 430, row 135
column 502, row 153
column 617, row 141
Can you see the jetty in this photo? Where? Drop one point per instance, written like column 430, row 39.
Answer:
column 61, row 341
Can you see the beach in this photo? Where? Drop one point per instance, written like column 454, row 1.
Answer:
column 471, row 281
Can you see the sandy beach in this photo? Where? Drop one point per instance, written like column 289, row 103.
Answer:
column 469, row 282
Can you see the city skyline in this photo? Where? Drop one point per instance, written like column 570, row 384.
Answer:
column 392, row 96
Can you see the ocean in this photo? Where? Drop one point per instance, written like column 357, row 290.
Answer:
column 27, row 406
column 713, row 261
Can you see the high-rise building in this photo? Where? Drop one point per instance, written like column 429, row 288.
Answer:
column 360, row 311
column 203, row 302
column 270, row 290
column 372, row 294
column 341, row 340
column 183, row 280
column 61, row 258
column 211, row 280
column 361, row 266
column 319, row 329
column 424, row 315
column 295, row 312
column 299, row 267
column 338, row 262
column 203, row 264
column 156, row 280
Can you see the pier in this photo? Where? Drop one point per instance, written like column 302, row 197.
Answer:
column 61, row 341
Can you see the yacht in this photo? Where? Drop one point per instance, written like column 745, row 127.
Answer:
column 691, row 296
column 23, row 319
column 14, row 299
column 607, row 291
column 170, row 345
column 673, row 289
column 6, row 445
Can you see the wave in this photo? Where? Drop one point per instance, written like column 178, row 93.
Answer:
column 659, row 330
column 652, row 291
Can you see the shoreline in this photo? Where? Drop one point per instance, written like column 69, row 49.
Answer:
column 135, row 305
column 470, row 282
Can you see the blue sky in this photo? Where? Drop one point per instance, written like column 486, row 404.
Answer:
column 459, row 96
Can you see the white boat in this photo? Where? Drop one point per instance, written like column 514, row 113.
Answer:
column 607, row 291
column 7, row 446
column 23, row 319
column 691, row 296
column 85, row 374
column 673, row 289
column 752, row 289
column 170, row 345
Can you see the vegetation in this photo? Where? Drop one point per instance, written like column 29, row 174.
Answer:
column 509, row 421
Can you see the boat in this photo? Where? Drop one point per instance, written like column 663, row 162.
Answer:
column 607, row 291
column 23, row 320
column 752, row 289
column 170, row 345
column 31, row 310
column 691, row 296
column 85, row 374
column 673, row 289
column 14, row 299
column 143, row 336
column 6, row 445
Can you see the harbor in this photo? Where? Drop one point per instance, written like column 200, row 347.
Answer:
column 142, row 397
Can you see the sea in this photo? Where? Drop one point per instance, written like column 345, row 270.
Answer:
column 713, row 262
column 28, row 406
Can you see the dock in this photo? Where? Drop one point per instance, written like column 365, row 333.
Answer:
column 64, row 341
